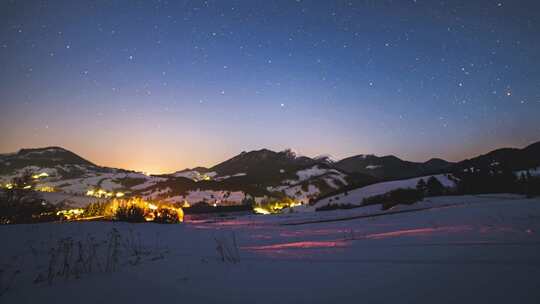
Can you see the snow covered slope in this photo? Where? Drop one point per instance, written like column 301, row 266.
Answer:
column 462, row 249
column 355, row 197
column 309, row 183
column 259, row 174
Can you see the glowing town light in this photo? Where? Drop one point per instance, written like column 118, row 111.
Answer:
column 102, row 193
column 259, row 210
column 40, row 175
column 149, row 217
column 45, row 189
column 152, row 206
column 70, row 213
column 276, row 206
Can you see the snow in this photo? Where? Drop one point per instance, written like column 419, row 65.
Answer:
column 458, row 249
column 150, row 181
column 72, row 200
column 292, row 187
column 50, row 150
column 221, row 178
column 372, row 167
column 91, row 179
column 532, row 172
column 312, row 172
column 81, row 185
column 196, row 175
column 331, row 181
column 211, row 174
column 300, row 195
column 105, row 181
column 156, row 194
column 297, row 191
column 355, row 197
column 109, row 185
column 192, row 174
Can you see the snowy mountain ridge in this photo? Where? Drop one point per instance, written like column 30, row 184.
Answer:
column 255, row 174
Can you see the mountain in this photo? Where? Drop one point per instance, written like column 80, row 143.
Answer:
column 264, row 166
column 42, row 156
column 257, row 175
column 286, row 173
column 63, row 162
column 505, row 158
column 391, row 167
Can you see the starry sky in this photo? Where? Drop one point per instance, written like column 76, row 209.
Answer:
column 159, row 86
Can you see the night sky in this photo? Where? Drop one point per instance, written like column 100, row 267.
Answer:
column 159, row 86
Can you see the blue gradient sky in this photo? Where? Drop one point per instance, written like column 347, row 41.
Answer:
column 159, row 86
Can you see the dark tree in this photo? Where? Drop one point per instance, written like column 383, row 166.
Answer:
column 406, row 196
column 494, row 180
column 434, row 187
column 132, row 214
column 166, row 216
column 421, row 186
column 248, row 200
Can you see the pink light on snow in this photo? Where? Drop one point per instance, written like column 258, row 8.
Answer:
column 418, row 232
column 300, row 245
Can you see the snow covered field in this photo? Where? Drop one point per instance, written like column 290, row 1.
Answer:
column 355, row 197
column 461, row 249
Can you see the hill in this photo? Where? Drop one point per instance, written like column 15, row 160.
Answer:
column 391, row 167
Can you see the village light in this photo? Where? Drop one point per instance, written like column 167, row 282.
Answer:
column 70, row 213
column 45, row 189
column 102, row 193
column 260, row 210
column 42, row 174
column 150, row 211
